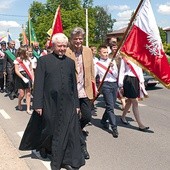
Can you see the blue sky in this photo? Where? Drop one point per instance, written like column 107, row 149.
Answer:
column 13, row 13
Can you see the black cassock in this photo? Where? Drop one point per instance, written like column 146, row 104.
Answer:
column 58, row 129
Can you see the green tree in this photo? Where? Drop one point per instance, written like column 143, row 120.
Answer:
column 167, row 49
column 72, row 14
column 104, row 23
column 162, row 34
column 36, row 12
column 87, row 3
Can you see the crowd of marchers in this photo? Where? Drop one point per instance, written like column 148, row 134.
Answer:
column 63, row 80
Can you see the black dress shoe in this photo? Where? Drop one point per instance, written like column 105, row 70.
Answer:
column 124, row 122
column 68, row 167
column 93, row 113
column 105, row 124
column 11, row 97
column 115, row 133
column 2, row 91
column 145, row 129
column 85, row 153
column 85, row 133
column 43, row 153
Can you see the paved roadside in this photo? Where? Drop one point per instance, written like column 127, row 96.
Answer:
column 9, row 155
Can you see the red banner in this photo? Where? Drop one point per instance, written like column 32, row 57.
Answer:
column 143, row 46
column 57, row 23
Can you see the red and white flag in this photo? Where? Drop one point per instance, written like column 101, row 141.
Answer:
column 144, row 46
column 57, row 26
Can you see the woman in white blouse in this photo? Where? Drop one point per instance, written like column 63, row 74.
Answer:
column 131, row 82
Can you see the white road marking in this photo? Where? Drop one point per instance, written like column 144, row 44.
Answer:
column 4, row 114
column 46, row 162
column 20, row 133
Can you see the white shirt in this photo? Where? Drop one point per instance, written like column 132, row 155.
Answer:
column 25, row 62
column 111, row 75
column 80, row 76
column 34, row 62
column 125, row 70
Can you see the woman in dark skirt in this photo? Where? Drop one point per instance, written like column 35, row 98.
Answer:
column 130, row 81
column 131, row 87
column 24, row 77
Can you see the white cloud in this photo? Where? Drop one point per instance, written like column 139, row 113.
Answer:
column 12, row 26
column 164, row 8
column 123, row 19
column 118, row 7
column 125, row 14
column 9, row 24
column 120, row 24
column 6, row 5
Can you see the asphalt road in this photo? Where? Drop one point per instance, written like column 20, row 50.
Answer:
column 131, row 150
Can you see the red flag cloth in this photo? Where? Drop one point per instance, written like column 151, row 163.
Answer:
column 57, row 24
column 143, row 45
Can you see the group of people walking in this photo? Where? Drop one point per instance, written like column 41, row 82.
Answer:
column 17, row 72
column 62, row 94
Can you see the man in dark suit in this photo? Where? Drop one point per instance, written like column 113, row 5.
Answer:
column 9, row 68
column 2, row 63
column 36, row 50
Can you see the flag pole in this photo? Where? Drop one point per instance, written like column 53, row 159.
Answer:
column 29, row 30
column 120, row 44
column 22, row 33
column 87, row 29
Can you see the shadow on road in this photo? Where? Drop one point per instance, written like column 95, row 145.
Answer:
column 96, row 122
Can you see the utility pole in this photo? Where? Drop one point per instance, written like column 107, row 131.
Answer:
column 87, row 28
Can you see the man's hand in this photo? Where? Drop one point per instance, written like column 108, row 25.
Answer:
column 111, row 64
column 122, row 91
column 39, row 111
column 79, row 113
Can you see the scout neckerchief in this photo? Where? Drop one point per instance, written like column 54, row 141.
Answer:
column 36, row 54
column 11, row 56
column 25, row 68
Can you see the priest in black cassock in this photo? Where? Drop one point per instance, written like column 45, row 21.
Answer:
column 54, row 125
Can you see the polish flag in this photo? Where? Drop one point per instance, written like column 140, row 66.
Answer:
column 143, row 45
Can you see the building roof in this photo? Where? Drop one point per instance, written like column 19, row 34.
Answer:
column 120, row 31
column 167, row 29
